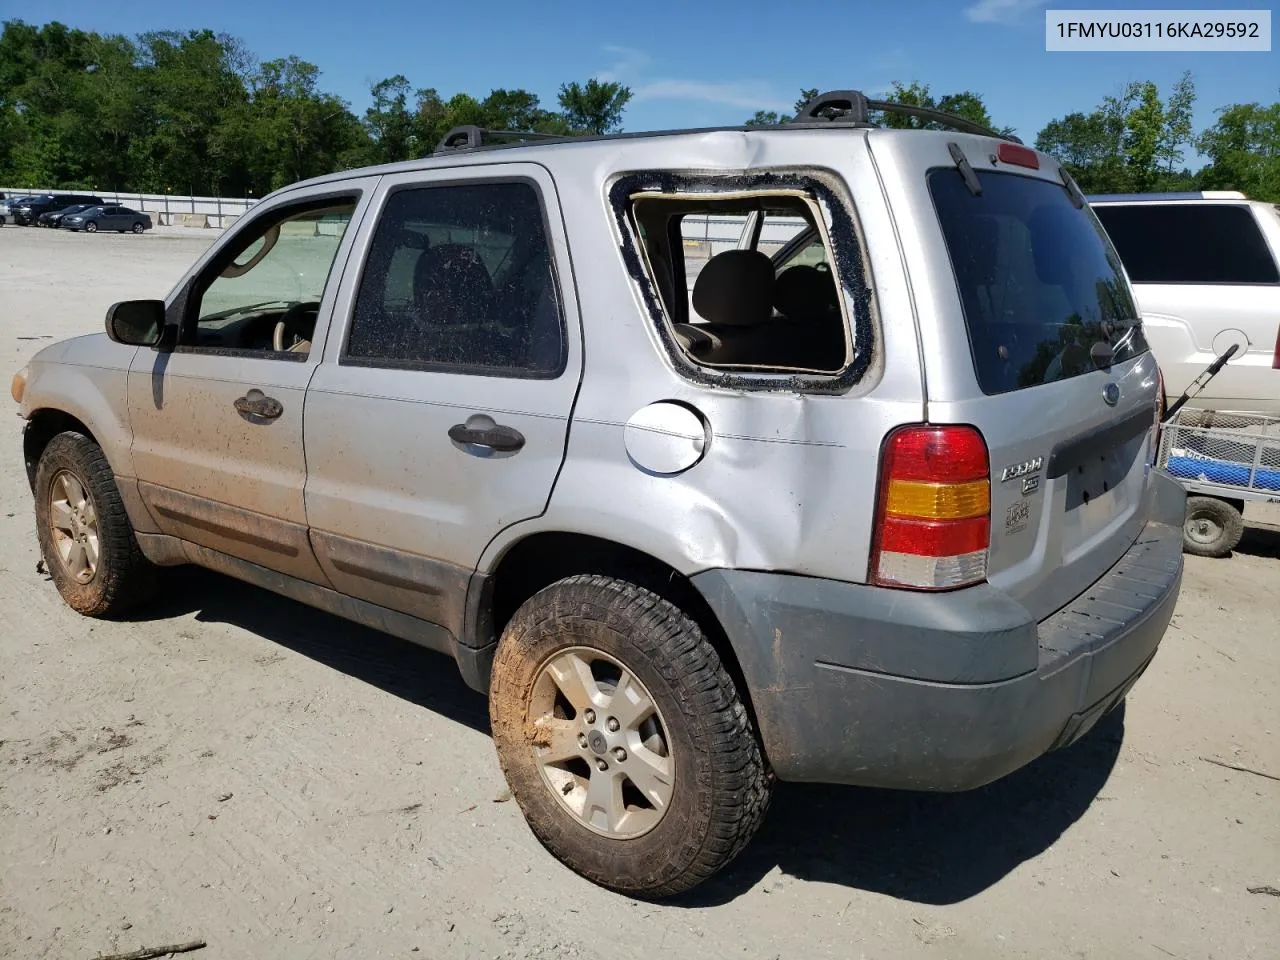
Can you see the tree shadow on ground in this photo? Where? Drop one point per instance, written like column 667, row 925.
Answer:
column 403, row 669
column 925, row 848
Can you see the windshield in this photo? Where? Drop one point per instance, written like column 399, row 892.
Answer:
column 1043, row 292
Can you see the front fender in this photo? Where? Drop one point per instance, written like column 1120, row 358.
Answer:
column 87, row 379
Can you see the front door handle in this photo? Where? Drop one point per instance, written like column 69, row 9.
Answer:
column 256, row 405
column 482, row 431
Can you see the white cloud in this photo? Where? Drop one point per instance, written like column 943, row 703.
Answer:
column 748, row 95
column 1002, row 11
column 633, row 67
column 627, row 62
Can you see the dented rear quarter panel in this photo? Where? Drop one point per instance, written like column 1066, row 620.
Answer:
column 788, row 480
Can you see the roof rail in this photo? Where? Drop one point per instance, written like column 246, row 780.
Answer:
column 1161, row 197
column 853, row 107
column 469, row 136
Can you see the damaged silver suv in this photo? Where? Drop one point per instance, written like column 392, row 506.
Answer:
column 865, row 497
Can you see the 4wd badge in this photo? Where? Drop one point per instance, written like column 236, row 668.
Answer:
column 1030, row 484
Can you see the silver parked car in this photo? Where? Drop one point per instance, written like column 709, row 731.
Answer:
column 875, row 507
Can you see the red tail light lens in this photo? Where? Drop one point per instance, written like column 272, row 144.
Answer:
column 1275, row 359
column 933, row 518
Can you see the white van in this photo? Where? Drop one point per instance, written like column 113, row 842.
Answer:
column 1206, row 270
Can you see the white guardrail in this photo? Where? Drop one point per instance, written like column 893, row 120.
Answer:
column 165, row 209
column 712, row 233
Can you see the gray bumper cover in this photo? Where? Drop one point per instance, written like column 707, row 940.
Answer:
column 944, row 691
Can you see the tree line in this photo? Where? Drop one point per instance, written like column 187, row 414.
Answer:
column 1134, row 142
column 197, row 113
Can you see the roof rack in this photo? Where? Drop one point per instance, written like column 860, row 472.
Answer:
column 1161, row 197
column 852, row 107
column 469, row 136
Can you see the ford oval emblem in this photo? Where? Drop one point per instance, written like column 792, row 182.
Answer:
column 1111, row 394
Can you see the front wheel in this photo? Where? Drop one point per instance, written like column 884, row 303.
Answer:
column 87, row 542
column 1212, row 528
column 91, row 227
column 624, row 739
column 137, row 228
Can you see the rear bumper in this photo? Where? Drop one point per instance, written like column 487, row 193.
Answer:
column 863, row 685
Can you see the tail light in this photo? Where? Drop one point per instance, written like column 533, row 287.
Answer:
column 933, row 519
column 1275, row 358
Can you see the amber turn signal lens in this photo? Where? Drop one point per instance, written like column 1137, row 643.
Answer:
column 19, row 385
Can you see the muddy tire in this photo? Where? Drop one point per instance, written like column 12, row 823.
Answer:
column 1212, row 528
column 87, row 542
column 623, row 738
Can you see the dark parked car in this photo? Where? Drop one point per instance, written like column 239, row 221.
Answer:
column 54, row 217
column 98, row 218
column 28, row 210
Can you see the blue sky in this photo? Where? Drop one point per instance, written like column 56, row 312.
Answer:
column 699, row 63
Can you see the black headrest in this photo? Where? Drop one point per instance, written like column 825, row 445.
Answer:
column 802, row 291
column 451, row 286
column 735, row 288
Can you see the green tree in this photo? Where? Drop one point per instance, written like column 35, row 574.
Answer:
column 594, row 107
column 1133, row 142
column 1243, row 148
column 966, row 105
column 389, row 121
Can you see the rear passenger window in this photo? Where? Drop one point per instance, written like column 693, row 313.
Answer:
column 1189, row 243
column 459, row 277
column 772, row 305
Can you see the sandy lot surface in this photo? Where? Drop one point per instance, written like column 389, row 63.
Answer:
column 234, row 767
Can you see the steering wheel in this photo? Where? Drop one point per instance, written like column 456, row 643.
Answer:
column 290, row 329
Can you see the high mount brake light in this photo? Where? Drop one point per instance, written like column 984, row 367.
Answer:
column 1018, row 155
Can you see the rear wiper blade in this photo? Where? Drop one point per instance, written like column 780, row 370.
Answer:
column 965, row 168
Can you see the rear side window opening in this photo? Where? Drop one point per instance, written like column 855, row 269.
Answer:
column 747, row 281
column 1043, row 293
column 1189, row 243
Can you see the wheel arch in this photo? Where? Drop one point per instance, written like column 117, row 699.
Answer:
column 42, row 426
column 545, row 557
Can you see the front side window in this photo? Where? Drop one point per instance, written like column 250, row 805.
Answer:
column 459, row 277
column 264, row 292
column 1189, row 243
column 1043, row 294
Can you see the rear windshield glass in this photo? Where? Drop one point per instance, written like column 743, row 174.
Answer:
column 1189, row 243
column 1043, row 294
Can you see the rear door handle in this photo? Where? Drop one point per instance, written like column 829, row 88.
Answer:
column 482, row 431
column 256, row 405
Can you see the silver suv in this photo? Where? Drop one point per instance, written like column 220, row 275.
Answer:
column 877, row 507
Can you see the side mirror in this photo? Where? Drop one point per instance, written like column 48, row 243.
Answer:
column 137, row 323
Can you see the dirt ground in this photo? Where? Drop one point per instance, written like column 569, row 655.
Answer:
column 234, row 767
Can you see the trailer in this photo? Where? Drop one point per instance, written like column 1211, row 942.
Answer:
column 1222, row 460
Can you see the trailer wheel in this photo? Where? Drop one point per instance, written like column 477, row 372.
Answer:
column 1212, row 528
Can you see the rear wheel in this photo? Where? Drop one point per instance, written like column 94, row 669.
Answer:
column 623, row 738
column 91, row 227
column 85, row 536
column 1213, row 527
